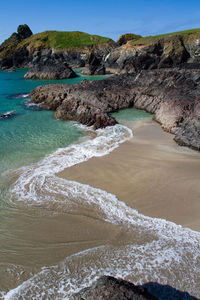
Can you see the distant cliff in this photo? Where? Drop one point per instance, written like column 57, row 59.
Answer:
column 23, row 49
column 179, row 49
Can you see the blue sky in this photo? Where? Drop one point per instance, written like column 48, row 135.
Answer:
column 108, row 18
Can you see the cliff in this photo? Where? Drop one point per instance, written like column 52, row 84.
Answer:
column 180, row 49
column 73, row 48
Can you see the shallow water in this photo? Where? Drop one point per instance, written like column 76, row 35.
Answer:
column 57, row 236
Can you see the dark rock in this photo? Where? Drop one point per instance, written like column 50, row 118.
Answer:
column 50, row 69
column 110, row 288
column 24, row 32
column 10, row 70
column 95, row 66
column 9, row 46
column 161, row 53
column 173, row 95
column 7, row 115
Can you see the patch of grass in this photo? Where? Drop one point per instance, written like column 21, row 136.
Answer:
column 186, row 34
column 63, row 40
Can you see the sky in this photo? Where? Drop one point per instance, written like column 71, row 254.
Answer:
column 109, row 18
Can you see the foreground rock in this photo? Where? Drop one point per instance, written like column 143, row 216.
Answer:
column 50, row 69
column 110, row 288
column 173, row 95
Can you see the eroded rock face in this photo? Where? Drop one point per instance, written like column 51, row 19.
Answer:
column 50, row 69
column 173, row 95
column 160, row 53
column 95, row 67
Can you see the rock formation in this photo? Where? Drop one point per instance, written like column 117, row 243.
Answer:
column 180, row 50
column 7, row 115
column 51, row 67
column 124, row 38
column 110, row 288
column 23, row 49
column 8, row 47
column 172, row 95
column 95, row 66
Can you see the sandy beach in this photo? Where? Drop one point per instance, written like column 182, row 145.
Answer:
column 150, row 173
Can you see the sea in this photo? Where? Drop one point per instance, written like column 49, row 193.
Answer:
column 58, row 236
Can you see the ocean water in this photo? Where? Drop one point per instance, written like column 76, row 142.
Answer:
column 47, row 246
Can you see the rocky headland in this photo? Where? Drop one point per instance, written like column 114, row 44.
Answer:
column 24, row 49
column 172, row 95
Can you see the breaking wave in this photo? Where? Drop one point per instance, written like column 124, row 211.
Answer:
column 152, row 250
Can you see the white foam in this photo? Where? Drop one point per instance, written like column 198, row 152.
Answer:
column 160, row 250
column 31, row 182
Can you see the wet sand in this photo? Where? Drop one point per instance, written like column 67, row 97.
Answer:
column 150, row 173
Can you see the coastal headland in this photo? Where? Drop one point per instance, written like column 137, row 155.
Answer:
column 150, row 173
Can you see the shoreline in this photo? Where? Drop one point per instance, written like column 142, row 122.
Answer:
column 150, row 173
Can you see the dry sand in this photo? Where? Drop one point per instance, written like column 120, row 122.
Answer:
column 150, row 173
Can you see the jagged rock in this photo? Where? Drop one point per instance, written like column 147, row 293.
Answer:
column 95, row 66
column 7, row 115
column 110, row 288
column 50, row 67
column 173, row 95
column 159, row 53
column 24, row 32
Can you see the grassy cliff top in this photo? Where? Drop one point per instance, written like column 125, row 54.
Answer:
column 187, row 35
column 63, row 40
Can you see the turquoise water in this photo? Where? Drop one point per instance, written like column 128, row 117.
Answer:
column 31, row 133
column 46, row 249
column 132, row 114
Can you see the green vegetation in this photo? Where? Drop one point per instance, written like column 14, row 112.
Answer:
column 63, row 40
column 187, row 34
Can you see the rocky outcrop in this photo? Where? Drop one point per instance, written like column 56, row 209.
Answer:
column 173, row 95
column 110, row 288
column 8, row 47
column 23, row 49
column 155, row 53
column 7, row 115
column 50, row 68
column 95, row 66
column 124, row 38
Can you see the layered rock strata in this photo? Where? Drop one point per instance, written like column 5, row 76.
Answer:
column 173, row 95
column 155, row 53
column 50, row 69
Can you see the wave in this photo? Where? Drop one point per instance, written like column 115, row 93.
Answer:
column 154, row 250
column 18, row 96
column 32, row 106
